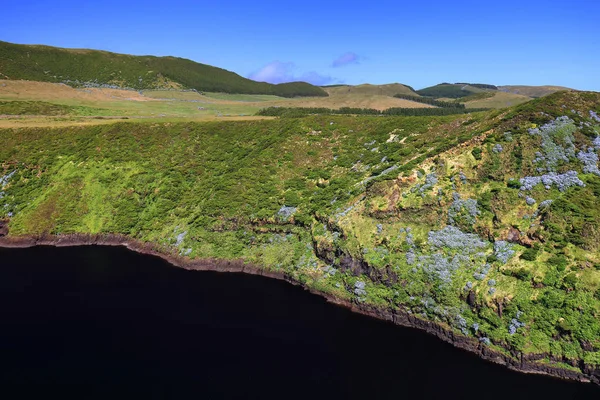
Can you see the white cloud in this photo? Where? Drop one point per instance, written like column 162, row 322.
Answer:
column 282, row 72
column 346, row 59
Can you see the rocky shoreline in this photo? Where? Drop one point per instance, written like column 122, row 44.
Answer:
column 517, row 362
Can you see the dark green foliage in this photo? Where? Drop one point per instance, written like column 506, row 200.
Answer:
column 430, row 101
column 42, row 108
column 476, row 96
column 513, row 184
column 297, row 112
column 33, row 108
column 476, row 152
column 530, row 254
column 479, row 85
column 552, row 278
column 430, row 111
column 485, row 201
column 558, row 261
column 446, row 90
column 522, row 274
column 570, row 281
column 491, row 258
column 82, row 67
column 574, row 217
column 553, row 298
column 517, row 156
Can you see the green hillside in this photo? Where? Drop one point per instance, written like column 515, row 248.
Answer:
column 532, row 91
column 93, row 67
column 486, row 224
column 390, row 89
column 453, row 90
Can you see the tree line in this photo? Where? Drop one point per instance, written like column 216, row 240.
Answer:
column 296, row 112
column 430, row 101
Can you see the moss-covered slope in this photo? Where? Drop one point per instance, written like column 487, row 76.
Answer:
column 485, row 223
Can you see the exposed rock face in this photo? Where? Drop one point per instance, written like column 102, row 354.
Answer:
column 471, row 298
column 3, row 228
column 513, row 360
column 514, row 236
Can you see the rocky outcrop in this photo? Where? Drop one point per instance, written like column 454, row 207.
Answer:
column 3, row 228
column 529, row 363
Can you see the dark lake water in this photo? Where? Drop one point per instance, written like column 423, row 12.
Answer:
column 104, row 322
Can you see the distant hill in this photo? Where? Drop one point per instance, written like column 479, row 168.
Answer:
column 78, row 67
column 379, row 97
column 495, row 99
column 480, row 95
column 453, row 90
column 390, row 89
column 532, row 91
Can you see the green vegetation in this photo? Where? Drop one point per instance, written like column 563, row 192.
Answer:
column 44, row 108
column 486, row 223
column 476, row 96
column 495, row 99
column 390, row 89
column 430, row 101
column 449, row 90
column 100, row 69
column 296, row 112
column 479, row 85
column 532, row 91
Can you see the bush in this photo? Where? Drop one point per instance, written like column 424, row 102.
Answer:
column 570, row 281
column 522, row 274
column 513, row 184
column 559, row 261
column 476, row 152
column 529, row 254
column 553, row 298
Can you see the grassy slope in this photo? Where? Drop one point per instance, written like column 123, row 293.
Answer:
column 366, row 89
column 532, row 91
column 113, row 102
column 496, row 99
column 215, row 189
column 177, row 103
column 449, row 91
column 41, row 108
column 53, row 64
column 377, row 102
column 476, row 97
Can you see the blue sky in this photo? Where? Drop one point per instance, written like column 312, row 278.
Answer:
column 419, row 43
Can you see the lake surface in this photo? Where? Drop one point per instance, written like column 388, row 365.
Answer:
column 104, row 322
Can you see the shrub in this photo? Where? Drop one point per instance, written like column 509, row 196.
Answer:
column 589, row 160
column 522, row 274
column 503, row 251
column 558, row 261
column 513, row 184
column 529, row 254
column 359, row 288
column 570, row 281
column 561, row 181
column 553, row 298
column 462, row 210
column 453, row 238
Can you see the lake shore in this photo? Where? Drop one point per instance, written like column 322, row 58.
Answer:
column 519, row 362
